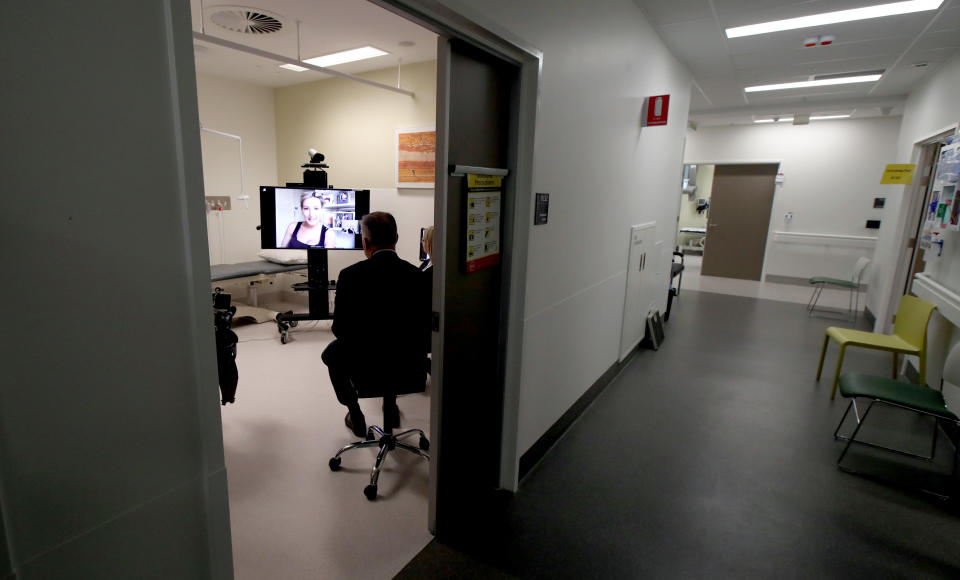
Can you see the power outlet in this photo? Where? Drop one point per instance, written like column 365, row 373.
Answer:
column 218, row 202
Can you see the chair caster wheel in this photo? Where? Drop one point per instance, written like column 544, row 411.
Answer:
column 283, row 338
column 370, row 436
column 371, row 492
column 293, row 323
column 424, row 443
column 334, row 464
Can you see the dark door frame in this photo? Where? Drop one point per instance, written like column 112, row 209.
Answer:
column 518, row 190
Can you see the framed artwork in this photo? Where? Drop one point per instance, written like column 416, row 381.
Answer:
column 416, row 157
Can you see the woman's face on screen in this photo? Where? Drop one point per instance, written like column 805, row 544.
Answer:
column 312, row 209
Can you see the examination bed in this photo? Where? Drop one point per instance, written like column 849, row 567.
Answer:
column 220, row 272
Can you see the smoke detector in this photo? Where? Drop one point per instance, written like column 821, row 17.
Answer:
column 246, row 20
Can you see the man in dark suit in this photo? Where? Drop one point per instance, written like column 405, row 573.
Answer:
column 380, row 319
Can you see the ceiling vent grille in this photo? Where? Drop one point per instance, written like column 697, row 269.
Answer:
column 247, row 21
column 848, row 74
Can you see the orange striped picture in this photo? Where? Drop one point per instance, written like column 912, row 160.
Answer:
column 416, row 156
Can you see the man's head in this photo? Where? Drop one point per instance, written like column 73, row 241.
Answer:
column 379, row 232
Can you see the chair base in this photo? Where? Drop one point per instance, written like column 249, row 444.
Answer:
column 852, row 310
column 852, row 439
column 387, row 442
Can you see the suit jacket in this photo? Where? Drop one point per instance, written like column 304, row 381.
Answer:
column 382, row 316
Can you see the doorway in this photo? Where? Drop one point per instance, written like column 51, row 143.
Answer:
column 739, row 220
column 500, row 292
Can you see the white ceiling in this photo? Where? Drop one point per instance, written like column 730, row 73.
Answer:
column 691, row 29
column 326, row 26
column 722, row 67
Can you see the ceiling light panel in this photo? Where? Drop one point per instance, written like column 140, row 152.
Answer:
column 838, row 16
column 345, row 56
column 808, row 84
column 293, row 67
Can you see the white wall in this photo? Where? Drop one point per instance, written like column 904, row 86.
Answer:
column 603, row 173
column 247, row 111
column 831, row 173
column 930, row 108
column 111, row 453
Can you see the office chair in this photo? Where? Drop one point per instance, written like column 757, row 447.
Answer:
column 920, row 399
column 909, row 337
column 378, row 382
column 854, row 284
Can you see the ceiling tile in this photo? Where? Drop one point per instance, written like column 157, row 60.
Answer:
column 699, row 44
column 948, row 19
column 672, row 11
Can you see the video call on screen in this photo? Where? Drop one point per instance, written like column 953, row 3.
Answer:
column 338, row 213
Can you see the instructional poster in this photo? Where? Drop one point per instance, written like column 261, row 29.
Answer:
column 483, row 221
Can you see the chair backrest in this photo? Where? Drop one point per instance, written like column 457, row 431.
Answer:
column 913, row 315
column 951, row 368
column 859, row 269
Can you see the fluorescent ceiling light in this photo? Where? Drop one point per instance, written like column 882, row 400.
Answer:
column 763, row 120
column 818, row 83
column 835, row 17
column 293, row 67
column 778, row 120
column 345, row 56
column 825, row 117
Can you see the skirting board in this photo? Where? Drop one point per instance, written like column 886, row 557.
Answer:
column 537, row 451
column 776, row 279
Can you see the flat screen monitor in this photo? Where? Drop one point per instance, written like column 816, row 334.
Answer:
column 301, row 217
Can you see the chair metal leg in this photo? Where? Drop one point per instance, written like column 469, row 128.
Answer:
column 853, row 437
column 836, row 375
column 853, row 404
column 823, row 352
column 814, row 298
column 894, row 373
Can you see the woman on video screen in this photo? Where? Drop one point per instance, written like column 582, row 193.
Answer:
column 311, row 232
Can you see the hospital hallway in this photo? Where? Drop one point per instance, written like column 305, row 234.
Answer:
column 713, row 457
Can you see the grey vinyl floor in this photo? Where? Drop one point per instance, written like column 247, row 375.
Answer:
column 713, row 457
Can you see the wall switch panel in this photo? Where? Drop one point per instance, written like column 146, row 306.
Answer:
column 218, row 202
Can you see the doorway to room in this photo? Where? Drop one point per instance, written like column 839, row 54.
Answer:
column 290, row 515
column 268, row 456
column 740, row 202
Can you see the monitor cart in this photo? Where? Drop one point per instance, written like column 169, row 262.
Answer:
column 318, row 288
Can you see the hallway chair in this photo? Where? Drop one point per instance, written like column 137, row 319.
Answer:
column 854, row 285
column 920, row 399
column 909, row 337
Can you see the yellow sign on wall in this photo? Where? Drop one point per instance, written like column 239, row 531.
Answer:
column 898, row 173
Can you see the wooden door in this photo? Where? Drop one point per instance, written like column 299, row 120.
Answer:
column 739, row 220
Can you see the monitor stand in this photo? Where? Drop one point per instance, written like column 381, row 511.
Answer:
column 318, row 288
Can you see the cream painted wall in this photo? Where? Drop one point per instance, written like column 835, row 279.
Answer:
column 354, row 126
column 247, row 111
column 831, row 173
column 604, row 174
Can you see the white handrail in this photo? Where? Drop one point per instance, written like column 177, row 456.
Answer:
column 823, row 236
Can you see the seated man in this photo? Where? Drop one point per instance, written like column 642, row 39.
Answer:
column 380, row 319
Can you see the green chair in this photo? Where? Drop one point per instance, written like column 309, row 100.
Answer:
column 854, row 284
column 909, row 337
column 920, row 399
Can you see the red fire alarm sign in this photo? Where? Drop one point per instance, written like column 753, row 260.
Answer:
column 657, row 110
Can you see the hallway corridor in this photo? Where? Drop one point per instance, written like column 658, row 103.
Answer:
column 713, row 458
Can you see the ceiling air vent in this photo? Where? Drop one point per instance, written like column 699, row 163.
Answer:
column 858, row 73
column 247, row 20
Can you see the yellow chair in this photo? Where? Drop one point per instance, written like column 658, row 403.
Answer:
column 909, row 337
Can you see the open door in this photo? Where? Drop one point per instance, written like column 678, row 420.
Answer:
column 475, row 130
column 739, row 220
